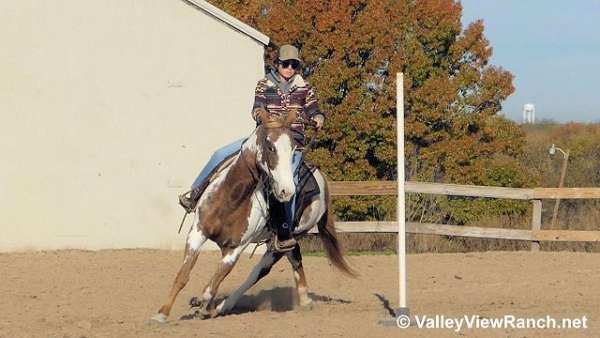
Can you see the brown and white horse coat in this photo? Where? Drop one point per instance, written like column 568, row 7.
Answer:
column 233, row 212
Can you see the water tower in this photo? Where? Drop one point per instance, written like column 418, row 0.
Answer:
column 529, row 113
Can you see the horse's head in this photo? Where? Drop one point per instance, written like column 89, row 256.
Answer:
column 275, row 150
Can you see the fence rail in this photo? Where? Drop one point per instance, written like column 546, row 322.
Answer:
column 535, row 234
column 358, row 188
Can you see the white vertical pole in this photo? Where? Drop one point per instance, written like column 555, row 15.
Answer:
column 401, row 202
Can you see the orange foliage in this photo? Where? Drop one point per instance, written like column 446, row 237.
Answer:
column 352, row 51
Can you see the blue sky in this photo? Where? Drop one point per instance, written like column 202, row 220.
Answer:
column 553, row 50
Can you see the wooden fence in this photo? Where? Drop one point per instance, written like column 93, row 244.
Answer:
column 535, row 195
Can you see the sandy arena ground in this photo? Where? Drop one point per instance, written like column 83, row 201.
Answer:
column 114, row 293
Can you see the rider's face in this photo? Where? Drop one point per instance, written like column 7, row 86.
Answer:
column 286, row 69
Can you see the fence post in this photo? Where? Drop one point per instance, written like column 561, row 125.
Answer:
column 536, row 222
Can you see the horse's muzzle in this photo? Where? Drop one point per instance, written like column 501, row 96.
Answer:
column 284, row 194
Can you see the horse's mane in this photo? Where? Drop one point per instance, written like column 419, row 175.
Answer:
column 270, row 121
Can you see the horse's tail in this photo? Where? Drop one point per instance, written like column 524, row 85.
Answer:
column 332, row 246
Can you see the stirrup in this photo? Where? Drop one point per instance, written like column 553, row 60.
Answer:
column 285, row 245
column 187, row 202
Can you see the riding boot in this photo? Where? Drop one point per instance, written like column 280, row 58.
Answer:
column 189, row 199
column 285, row 240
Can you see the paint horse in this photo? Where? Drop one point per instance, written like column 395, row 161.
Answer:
column 233, row 212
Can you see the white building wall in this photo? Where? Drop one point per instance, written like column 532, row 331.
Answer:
column 108, row 111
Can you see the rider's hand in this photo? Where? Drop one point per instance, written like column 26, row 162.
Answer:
column 319, row 119
column 261, row 115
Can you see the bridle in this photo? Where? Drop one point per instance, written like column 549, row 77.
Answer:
column 265, row 179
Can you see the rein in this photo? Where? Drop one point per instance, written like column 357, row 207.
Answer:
column 313, row 140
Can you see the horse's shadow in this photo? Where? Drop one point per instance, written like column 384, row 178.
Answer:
column 278, row 299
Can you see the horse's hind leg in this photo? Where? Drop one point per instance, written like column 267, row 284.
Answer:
column 295, row 258
column 230, row 257
column 260, row 270
column 195, row 239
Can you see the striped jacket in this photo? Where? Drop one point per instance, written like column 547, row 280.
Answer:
column 278, row 96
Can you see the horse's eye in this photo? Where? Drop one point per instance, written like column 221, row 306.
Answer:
column 270, row 147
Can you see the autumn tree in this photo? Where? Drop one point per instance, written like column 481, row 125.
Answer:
column 352, row 51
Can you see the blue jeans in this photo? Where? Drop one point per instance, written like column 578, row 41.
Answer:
column 228, row 150
column 216, row 159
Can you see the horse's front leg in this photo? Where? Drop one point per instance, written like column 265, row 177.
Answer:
column 195, row 240
column 295, row 258
column 228, row 260
column 260, row 270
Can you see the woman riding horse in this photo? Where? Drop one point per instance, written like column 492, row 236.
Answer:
column 278, row 93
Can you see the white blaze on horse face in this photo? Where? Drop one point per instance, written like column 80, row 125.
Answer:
column 283, row 176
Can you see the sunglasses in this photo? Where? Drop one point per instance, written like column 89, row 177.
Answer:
column 294, row 63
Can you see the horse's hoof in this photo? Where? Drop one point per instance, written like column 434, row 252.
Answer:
column 203, row 314
column 220, row 307
column 195, row 302
column 159, row 318
column 206, row 313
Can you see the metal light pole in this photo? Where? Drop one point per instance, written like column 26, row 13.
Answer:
column 563, row 173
